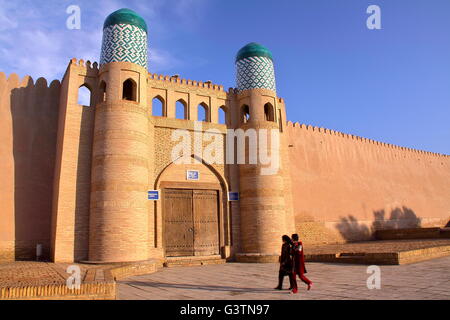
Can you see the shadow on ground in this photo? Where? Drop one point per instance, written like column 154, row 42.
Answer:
column 199, row 287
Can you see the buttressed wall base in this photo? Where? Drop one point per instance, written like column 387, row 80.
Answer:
column 75, row 178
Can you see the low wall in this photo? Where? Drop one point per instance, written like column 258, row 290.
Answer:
column 90, row 291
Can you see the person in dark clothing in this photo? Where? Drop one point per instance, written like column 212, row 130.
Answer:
column 299, row 263
column 285, row 263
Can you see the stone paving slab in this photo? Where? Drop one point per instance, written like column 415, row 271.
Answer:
column 427, row 280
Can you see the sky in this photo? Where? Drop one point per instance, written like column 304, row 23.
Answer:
column 390, row 85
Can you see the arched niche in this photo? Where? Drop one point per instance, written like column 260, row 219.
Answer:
column 245, row 113
column 129, row 90
column 158, row 109
column 223, row 115
column 181, row 111
column 203, row 112
column 173, row 177
column 269, row 112
column 102, row 91
column 84, row 95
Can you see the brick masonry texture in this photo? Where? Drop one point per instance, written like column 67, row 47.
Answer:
column 74, row 178
column 41, row 280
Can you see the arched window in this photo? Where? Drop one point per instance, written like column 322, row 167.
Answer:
column 129, row 90
column 268, row 112
column 158, row 107
column 84, row 96
column 203, row 114
column 222, row 115
column 245, row 113
column 181, row 109
column 102, row 91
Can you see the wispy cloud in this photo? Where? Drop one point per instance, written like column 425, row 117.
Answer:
column 189, row 11
column 162, row 60
column 7, row 22
column 34, row 39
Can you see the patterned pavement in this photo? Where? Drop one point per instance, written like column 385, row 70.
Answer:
column 427, row 280
column 27, row 273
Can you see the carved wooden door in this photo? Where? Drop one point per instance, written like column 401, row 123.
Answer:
column 178, row 222
column 206, row 222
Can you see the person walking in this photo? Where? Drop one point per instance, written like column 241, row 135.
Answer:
column 299, row 264
column 285, row 263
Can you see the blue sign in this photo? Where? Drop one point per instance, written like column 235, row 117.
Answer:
column 192, row 175
column 153, row 195
column 233, row 196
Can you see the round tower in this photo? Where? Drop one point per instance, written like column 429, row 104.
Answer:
column 119, row 216
column 265, row 202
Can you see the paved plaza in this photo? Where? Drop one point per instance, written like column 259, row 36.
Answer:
column 423, row 280
column 427, row 280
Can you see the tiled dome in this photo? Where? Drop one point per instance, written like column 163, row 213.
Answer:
column 124, row 38
column 254, row 68
column 253, row 49
column 125, row 16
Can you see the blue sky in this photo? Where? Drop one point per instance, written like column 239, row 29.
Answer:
column 391, row 85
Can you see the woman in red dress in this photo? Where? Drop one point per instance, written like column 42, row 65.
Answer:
column 299, row 263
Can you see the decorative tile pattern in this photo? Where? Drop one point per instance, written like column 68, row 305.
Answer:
column 124, row 42
column 254, row 73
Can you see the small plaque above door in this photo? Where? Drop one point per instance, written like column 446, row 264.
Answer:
column 192, row 175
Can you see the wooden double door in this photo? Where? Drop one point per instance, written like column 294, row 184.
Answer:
column 191, row 222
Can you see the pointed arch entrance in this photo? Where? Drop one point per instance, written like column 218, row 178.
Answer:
column 193, row 212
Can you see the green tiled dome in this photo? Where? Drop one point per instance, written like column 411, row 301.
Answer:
column 125, row 16
column 125, row 38
column 253, row 49
column 254, row 68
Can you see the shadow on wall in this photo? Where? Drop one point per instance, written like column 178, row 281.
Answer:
column 83, row 182
column 350, row 229
column 34, row 114
column 400, row 218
